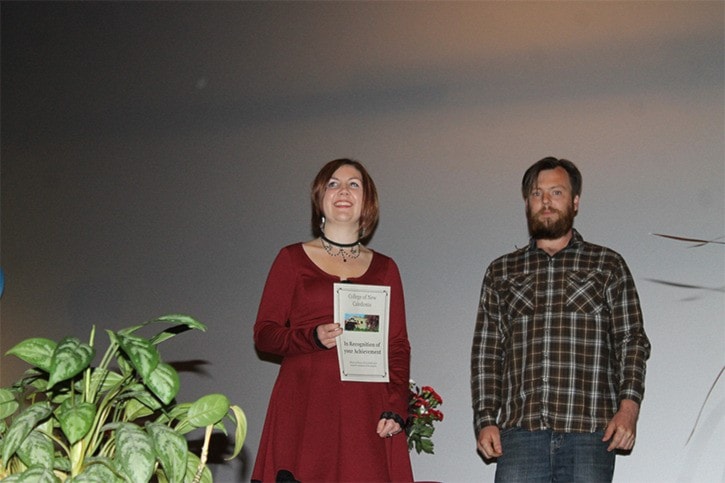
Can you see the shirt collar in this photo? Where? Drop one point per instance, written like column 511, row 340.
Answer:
column 576, row 240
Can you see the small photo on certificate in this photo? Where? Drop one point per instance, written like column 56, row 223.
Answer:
column 362, row 322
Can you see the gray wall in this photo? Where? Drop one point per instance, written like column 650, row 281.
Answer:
column 155, row 156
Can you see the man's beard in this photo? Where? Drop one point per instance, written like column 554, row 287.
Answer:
column 548, row 229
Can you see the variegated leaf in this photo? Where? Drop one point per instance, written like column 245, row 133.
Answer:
column 135, row 456
column 22, row 426
column 135, row 409
column 181, row 319
column 139, row 392
column 36, row 351
column 193, row 465
column 98, row 471
column 164, row 382
column 36, row 450
column 70, row 357
column 75, row 419
column 184, row 323
column 102, row 380
column 171, row 450
column 33, row 475
column 143, row 355
column 8, row 404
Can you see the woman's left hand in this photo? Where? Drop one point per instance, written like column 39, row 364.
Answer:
column 387, row 428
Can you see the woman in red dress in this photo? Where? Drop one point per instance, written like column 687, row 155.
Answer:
column 319, row 428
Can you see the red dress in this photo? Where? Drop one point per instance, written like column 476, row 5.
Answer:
column 317, row 427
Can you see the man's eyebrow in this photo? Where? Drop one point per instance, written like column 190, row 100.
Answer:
column 537, row 187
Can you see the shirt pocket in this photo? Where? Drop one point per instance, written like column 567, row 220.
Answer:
column 519, row 291
column 585, row 292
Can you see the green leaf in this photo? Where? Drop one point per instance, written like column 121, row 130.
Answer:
column 98, row 470
column 184, row 322
column 219, row 426
column 426, row 446
column 62, row 464
column 76, row 419
column 32, row 378
column 171, row 450
column 70, row 357
column 36, row 351
column 164, row 382
column 181, row 319
column 179, row 411
column 135, row 456
column 33, row 475
column 8, row 404
column 22, row 426
column 37, row 450
column 207, row 410
column 102, row 380
column 139, row 391
column 135, row 409
column 142, row 353
column 240, row 433
column 192, row 466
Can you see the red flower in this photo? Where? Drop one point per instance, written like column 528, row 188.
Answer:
column 421, row 416
column 433, row 393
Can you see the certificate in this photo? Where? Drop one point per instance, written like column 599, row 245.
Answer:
column 362, row 349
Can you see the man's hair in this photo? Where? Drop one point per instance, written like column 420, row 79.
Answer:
column 532, row 174
column 370, row 208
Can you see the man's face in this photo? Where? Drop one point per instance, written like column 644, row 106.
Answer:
column 550, row 207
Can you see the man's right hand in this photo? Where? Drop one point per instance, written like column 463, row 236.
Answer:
column 489, row 442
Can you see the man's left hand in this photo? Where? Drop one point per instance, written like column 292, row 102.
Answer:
column 622, row 429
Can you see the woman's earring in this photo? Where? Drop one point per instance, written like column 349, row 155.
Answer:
column 322, row 224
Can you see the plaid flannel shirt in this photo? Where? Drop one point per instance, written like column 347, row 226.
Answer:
column 559, row 340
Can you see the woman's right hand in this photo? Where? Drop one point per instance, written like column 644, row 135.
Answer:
column 327, row 334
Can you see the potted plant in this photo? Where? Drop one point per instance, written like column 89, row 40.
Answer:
column 68, row 420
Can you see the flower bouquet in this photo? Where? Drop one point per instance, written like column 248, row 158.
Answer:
column 422, row 413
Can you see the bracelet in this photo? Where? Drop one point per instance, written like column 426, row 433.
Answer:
column 394, row 416
column 318, row 343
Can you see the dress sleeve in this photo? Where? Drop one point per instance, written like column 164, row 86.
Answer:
column 399, row 355
column 272, row 333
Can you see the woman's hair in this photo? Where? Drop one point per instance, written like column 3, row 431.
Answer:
column 370, row 209
column 532, row 174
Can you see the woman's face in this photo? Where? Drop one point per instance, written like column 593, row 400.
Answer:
column 343, row 198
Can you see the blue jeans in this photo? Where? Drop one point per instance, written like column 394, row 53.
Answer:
column 548, row 456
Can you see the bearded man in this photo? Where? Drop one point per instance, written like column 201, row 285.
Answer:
column 559, row 350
